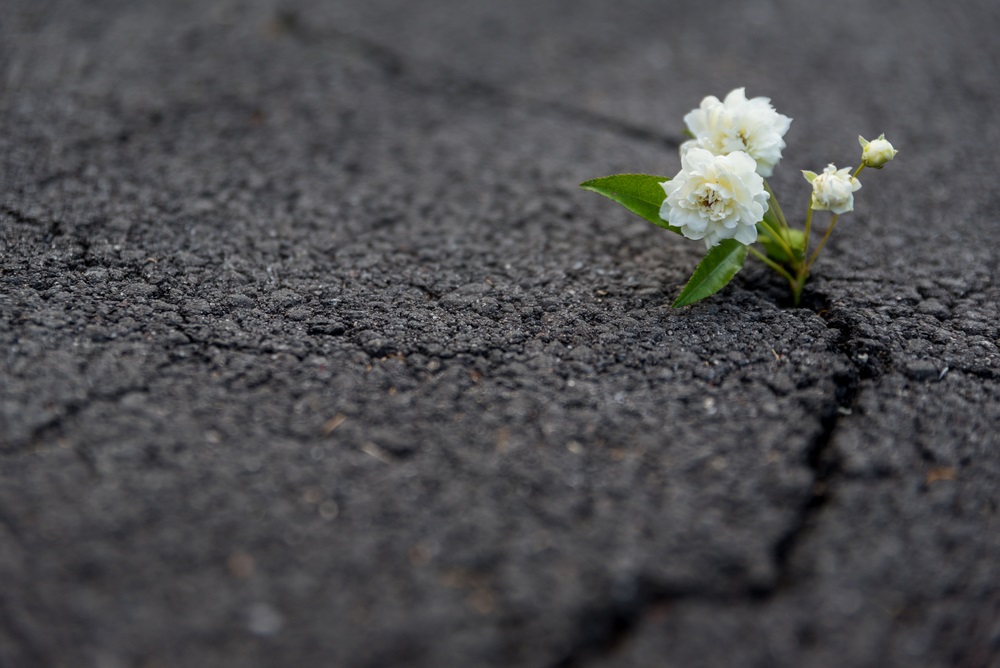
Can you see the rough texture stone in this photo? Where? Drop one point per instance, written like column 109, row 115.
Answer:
column 314, row 354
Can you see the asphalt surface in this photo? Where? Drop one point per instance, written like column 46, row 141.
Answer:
column 314, row 354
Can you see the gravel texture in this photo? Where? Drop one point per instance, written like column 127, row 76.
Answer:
column 314, row 354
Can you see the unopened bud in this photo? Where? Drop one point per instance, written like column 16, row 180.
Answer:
column 877, row 152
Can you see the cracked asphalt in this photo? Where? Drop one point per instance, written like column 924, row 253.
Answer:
column 314, row 354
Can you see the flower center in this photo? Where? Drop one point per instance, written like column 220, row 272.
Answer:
column 712, row 203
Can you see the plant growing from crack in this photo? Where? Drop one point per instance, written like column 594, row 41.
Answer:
column 722, row 197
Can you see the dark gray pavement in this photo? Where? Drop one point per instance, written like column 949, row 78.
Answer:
column 315, row 355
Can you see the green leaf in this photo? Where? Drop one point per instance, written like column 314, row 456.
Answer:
column 714, row 271
column 641, row 194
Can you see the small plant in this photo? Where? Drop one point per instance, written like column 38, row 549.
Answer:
column 721, row 195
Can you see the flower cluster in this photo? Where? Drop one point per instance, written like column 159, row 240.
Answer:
column 721, row 196
column 719, row 192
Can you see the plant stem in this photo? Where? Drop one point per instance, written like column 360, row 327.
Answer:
column 804, row 268
column 777, row 207
column 793, row 283
column 808, row 230
column 815, row 255
column 774, row 265
column 778, row 238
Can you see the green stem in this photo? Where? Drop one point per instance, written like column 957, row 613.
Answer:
column 808, row 230
column 777, row 207
column 797, row 291
column 778, row 238
column 774, row 265
column 822, row 243
column 802, row 269
column 829, row 230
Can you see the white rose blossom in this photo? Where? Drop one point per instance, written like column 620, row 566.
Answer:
column 715, row 197
column 876, row 152
column 738, row 124
column 833, row 190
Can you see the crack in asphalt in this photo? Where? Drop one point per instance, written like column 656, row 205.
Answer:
column 54, row 228
column 436, row 79
column 603, row 632
column 821, row 459
column 606, row 630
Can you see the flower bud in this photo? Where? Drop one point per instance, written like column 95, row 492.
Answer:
column 833, row 190
column 877, row 152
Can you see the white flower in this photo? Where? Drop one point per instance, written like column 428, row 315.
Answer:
column 739, row 124
column 715, row 197
column 833, row 190
column 877, row 152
